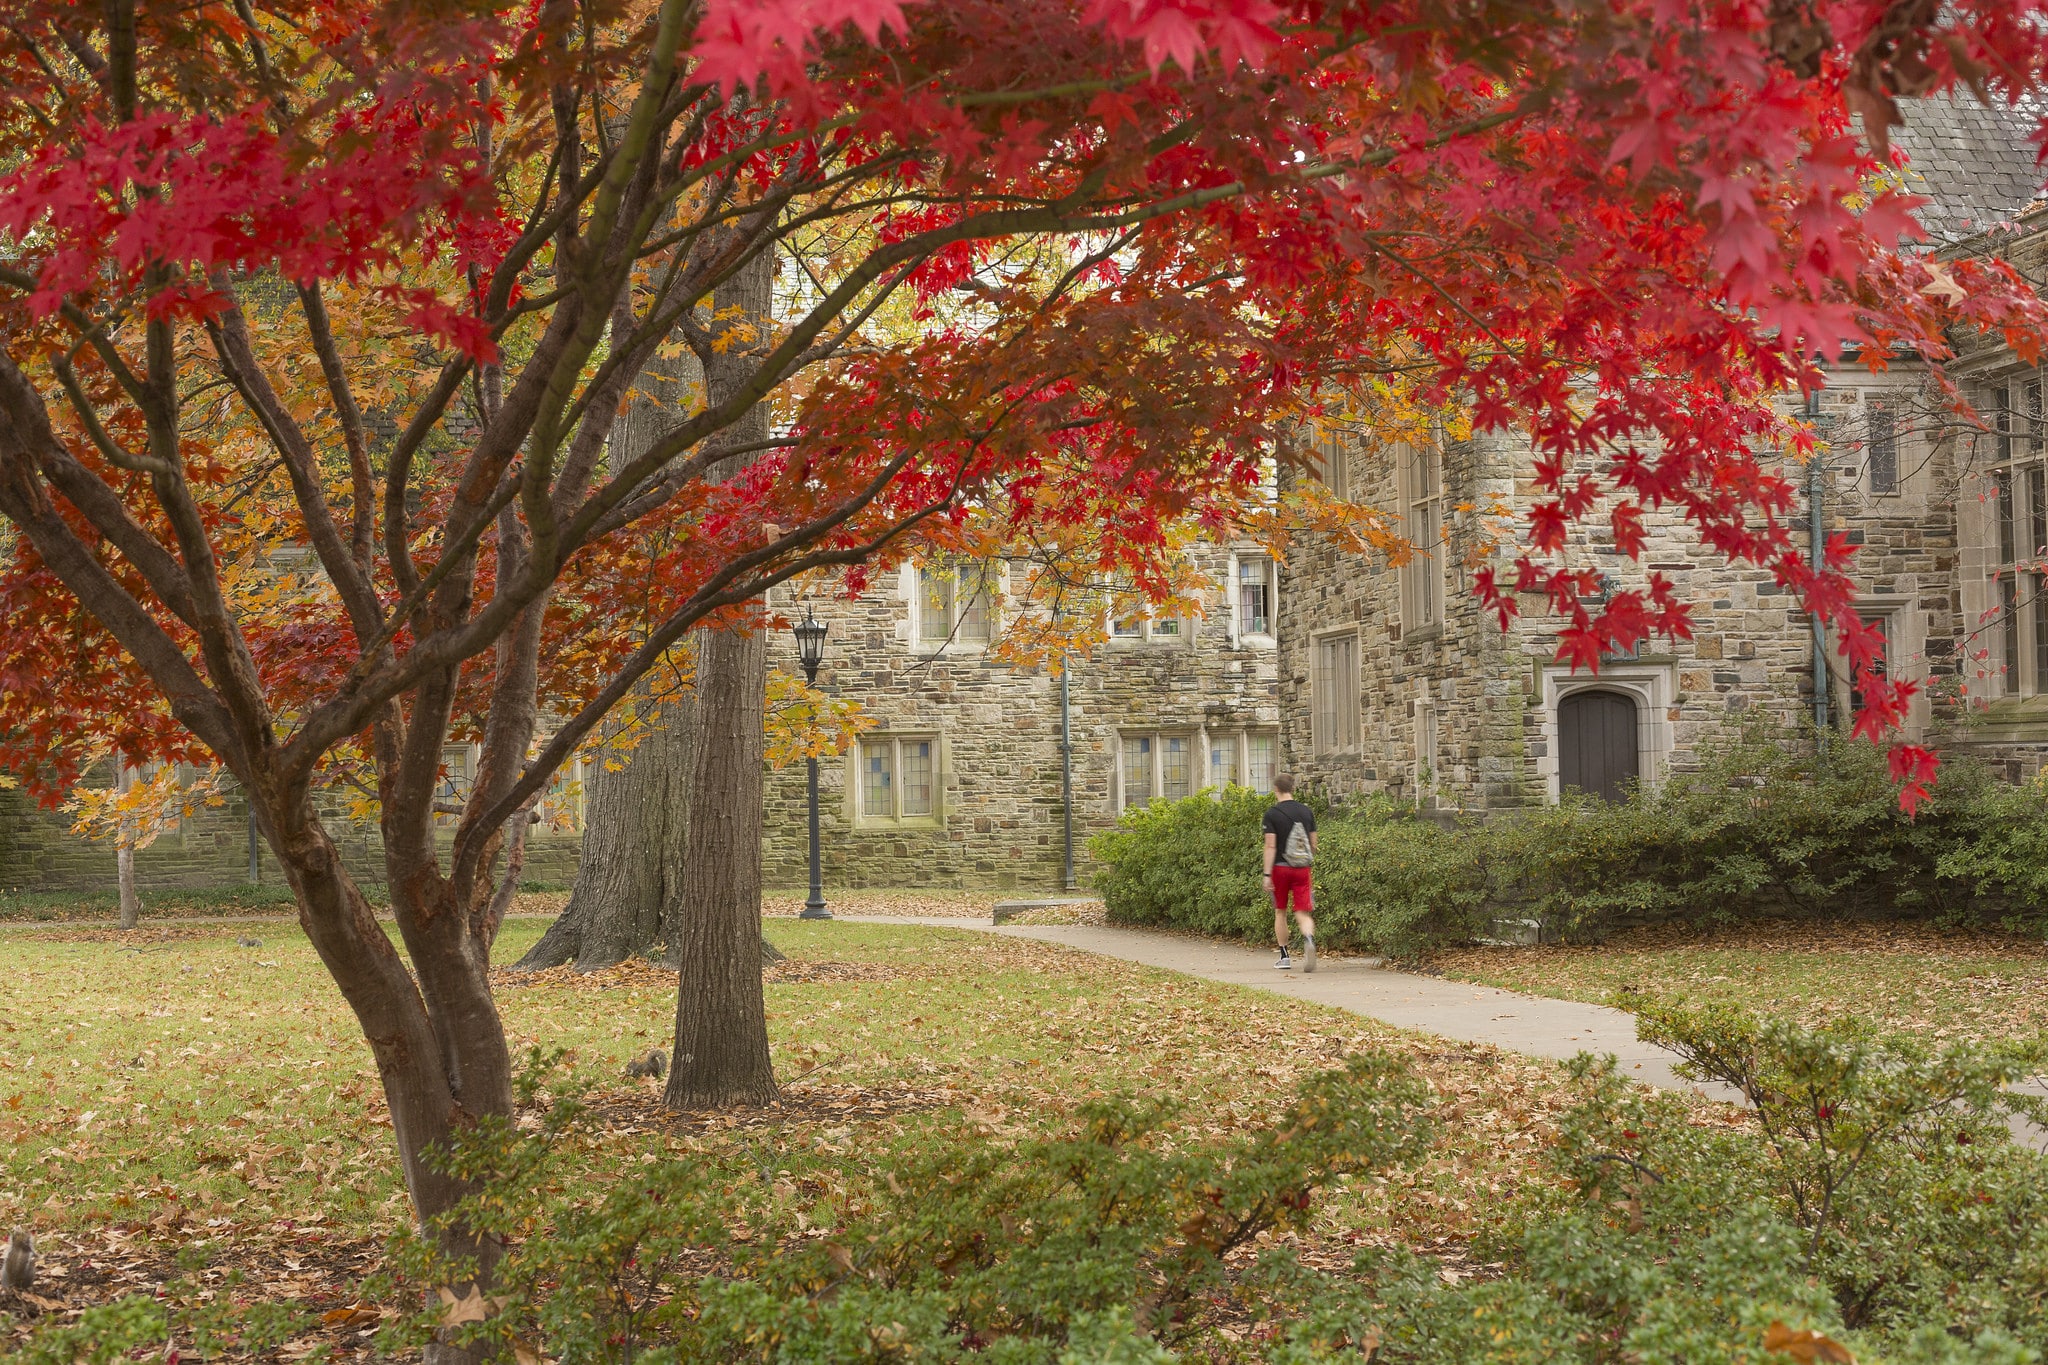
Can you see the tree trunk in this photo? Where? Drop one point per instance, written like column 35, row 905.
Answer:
column 630, row 871
column 124, row 853
column 721, row 1048
column 635, row 814
column 440, row 1053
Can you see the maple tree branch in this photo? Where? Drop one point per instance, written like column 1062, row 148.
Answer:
column 121, row 44
column 362, row 487
column 398, row 471
column 230, row 335
column 24, row 429
column 89, row 418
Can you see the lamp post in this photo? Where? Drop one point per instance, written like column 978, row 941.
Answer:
column 810, row 650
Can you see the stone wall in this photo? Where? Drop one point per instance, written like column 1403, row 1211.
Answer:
column 998, row 821
column 1465, row 712
column 207, row 850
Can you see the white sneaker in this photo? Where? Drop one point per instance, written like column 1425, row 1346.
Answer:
column 1308, row 954
column 1285, row 963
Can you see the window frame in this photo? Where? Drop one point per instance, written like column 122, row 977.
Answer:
column 1148, row 631
column 987, row 576
column 1333, row 461
column 896, row 817
column 2018, row 569
column 1335, row 704
column 1239, row 633
column 1156, row 787
column 1238, row 740
column 1424, row 596
column 1881, row 436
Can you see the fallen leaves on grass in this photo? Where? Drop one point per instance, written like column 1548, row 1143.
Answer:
column 627, row 1113
column 1911, row 977
column 145, row 937
column 644, row 975
column 313, row 1268
column 895, row 904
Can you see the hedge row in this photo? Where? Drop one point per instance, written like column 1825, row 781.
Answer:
column 1760, row 830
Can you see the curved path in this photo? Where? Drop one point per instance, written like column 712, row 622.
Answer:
column 1534, row 1025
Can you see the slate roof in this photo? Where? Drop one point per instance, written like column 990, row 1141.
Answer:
column 1975, row 162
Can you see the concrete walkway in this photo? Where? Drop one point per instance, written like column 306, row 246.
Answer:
column 1532, row 1025
column 1527, row 1024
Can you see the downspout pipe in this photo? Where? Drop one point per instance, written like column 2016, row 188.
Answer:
column 1816, row 477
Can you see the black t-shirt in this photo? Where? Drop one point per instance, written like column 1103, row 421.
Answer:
column 1280, row 822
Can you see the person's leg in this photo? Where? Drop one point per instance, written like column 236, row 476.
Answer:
column 1280, row 915
column 1305, row 916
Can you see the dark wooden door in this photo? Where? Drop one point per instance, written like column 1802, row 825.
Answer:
column 1596, row 736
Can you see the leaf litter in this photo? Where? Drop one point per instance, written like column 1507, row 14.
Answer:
column 875, row 1028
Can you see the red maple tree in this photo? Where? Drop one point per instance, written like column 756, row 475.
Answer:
column 376, row 280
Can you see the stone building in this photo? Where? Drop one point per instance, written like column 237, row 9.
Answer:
column 1393, row 680
column 1363, row 677
column 960, row 782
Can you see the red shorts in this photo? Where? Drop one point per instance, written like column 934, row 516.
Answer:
column 1293, row 883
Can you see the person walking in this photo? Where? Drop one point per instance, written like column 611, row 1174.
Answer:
column 1290, row 853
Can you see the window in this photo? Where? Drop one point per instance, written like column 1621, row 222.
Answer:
column 2019, row 479
column 1422, row 577
column 1883, row 667
column 1425, row 754
column 457, row 776
column 1333, row 461
column 1223, row 759
column 955, row 604
column 1141, row 625
column 1255, row 598
column 898, row 777
column 1244, row 757
column 1261, row 761
column 1333, row 692
column 1155, row 767
column 1883, row 423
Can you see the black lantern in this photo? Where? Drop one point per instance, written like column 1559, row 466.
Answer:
column 810, row 644
column 810, row 652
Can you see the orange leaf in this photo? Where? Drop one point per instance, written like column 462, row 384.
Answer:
column 1808, row 1346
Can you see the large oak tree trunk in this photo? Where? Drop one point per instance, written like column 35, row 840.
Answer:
column 721, row 1047
column 637, row 805
column 631, row 869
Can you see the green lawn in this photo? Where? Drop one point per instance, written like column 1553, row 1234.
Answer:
column 172, row 1088
column 1907, row 977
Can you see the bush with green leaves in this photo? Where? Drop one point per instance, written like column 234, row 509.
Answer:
column 1762, row 828
column 1878, row 1203
column 1094, row 1245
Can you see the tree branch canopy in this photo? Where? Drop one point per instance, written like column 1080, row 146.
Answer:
column 1069, row 265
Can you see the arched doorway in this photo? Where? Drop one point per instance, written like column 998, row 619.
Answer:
column 1598, row 749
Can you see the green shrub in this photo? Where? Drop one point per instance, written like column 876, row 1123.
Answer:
column 1097, row 1245
column 1879, row 1202
column 1882, row 1202
column 1762, row 828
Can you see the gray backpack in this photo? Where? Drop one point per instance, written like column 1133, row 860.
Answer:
column 1298, row 853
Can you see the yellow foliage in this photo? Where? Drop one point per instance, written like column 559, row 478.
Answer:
column 151, row 804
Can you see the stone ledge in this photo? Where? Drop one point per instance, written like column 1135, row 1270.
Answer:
column 1005, row 911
